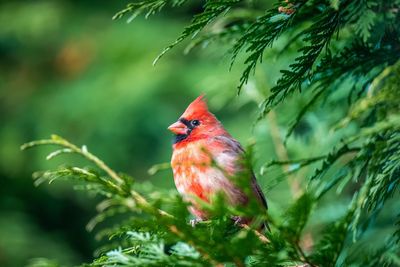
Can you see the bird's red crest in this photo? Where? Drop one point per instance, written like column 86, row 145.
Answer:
column 197, row 109
column 207, row 124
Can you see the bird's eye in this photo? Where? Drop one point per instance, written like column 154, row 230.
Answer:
column 195, row 123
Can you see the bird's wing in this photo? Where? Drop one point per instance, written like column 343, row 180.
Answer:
column 227, row 151
column 257, row 190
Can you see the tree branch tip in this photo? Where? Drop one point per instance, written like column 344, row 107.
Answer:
column 36, row 143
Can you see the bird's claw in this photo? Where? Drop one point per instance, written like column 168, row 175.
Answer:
column 193, row 222
column 237, row 220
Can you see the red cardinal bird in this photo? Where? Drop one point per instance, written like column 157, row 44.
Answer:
column 205, row 158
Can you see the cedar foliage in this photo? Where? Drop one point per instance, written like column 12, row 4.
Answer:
column 351, row 46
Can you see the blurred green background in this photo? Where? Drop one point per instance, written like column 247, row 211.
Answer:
column 67, row 68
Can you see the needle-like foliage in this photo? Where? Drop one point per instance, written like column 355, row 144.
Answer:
column 348, row 54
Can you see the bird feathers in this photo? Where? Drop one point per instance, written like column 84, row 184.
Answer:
column 208, row 161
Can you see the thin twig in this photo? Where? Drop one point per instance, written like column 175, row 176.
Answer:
column 260, row 236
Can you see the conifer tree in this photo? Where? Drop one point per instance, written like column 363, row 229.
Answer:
column 349, row 48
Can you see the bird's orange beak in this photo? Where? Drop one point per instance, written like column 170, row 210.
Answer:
column 178, row 128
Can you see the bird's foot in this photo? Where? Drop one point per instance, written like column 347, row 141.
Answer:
column 193, row 222
column 237, row 220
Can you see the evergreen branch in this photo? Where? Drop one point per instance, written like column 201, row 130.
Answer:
column 57, row 140
column 158, row 167
column 226, row 29
column 383, row 169
column 139, row 199
column 146, row 249
column 332, row 158
column 327, row 250
column 260, row 35
column 355, row 62
column 300, row 162
column 149, row 7
column 120, row 188
column 71, row 148
column 212, row 10
column 296, row 218
column 319, row 36
column 386, row 255
column 366, row 18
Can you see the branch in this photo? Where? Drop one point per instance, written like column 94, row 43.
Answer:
column 119, row 185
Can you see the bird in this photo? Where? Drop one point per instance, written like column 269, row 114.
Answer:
column 205, row 160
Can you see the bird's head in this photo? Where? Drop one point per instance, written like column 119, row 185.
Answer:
column 197, row 122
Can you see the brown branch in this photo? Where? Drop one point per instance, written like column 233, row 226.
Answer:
column 260, row 236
